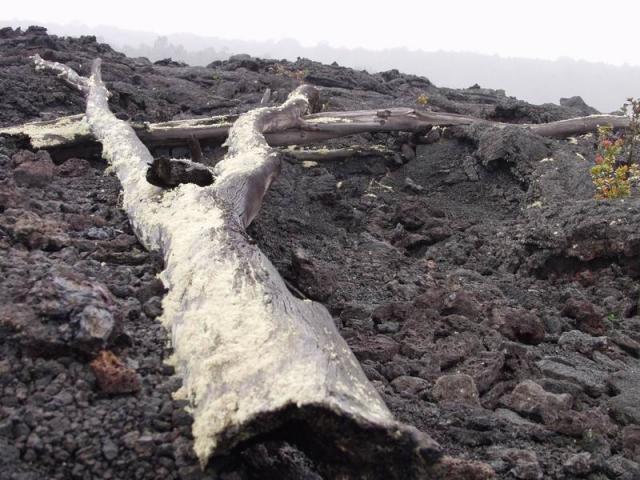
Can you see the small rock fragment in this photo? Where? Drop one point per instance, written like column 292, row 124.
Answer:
column 411, row 186
column 581, row 342
column 588, row 317
column 113, row 375
column 379, row 348
column 73, row 167
column 453, row 349
column 408, row 386
column 66, row 310
column 579, row 464
column 469, row 165
column 153, row 307
column 391, row 312
column 311, row 276
column 623, row 406
column 432, row 137
column 109, row 449
column 39, row 232
column 587, row 376
column 513, row 417
column 457, row 388
column 485, row 368
column 33, row 170
column 621, row 468
column 524, row 463
column 462, row 303
column 625, row 342
column 408, row 152
column 460, row 469
column 518, row 324
column 388, row 327
column 531, row 400
column 585, row 423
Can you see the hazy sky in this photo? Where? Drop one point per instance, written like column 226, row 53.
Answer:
column 580, row 29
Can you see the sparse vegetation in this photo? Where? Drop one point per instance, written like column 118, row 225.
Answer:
column 615, row 171
column 422, row 99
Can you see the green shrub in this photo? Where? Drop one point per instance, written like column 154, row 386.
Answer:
column 616, row 171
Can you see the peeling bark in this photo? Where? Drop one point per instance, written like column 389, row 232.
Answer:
column 254, row 359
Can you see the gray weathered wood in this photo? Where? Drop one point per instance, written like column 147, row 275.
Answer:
column 313, row 129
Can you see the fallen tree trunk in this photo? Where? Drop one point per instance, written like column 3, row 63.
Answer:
column 314, row 128
column 253, row 358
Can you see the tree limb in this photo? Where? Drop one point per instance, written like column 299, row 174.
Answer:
column 580, row 125
column 252, row 357
column 327, row 125
column 315, row 128
column 65, row 73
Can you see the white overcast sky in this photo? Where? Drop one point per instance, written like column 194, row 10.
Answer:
column 580, row 29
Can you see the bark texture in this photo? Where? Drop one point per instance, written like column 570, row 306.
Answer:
column 314, row 128
column 254, row 360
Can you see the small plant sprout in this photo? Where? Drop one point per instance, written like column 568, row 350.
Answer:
column 616, row 171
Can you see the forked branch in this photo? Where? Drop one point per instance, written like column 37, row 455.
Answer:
column 252, row 357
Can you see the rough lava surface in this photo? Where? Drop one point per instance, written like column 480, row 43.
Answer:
column 491, row 301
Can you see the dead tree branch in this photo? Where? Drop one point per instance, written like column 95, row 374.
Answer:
column 252, row 357
column 579, row 126
column 314, row 128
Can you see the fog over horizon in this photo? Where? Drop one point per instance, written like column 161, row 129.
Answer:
column 602, row 85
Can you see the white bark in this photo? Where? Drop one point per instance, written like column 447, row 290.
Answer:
column 251, row 356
